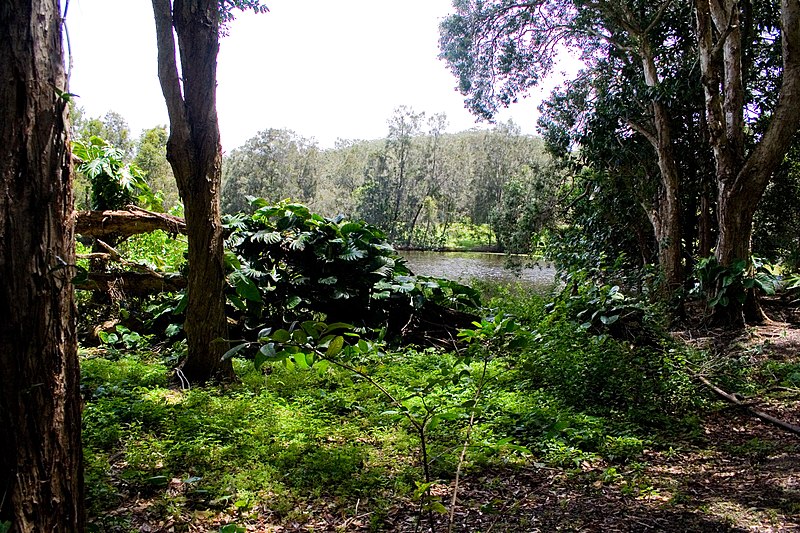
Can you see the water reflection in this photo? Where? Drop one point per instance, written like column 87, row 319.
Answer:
column 466, row 266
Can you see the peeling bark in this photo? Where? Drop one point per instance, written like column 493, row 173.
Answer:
column 742, row 177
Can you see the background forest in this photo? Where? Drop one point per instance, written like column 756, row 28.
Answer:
column 481, row 189
column 493, row 189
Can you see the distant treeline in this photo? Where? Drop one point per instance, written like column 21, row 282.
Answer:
column 418, row 184
column 423, row 187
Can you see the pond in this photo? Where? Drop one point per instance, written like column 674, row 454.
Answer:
column 466, row 266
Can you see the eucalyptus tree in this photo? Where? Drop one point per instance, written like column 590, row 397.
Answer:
column 274, row 164
column 391, row 174
column 342, row 175
column 41, row 469
column 195, row 154
column 501, row 48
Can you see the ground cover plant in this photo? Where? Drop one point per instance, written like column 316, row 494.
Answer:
column 548, row 410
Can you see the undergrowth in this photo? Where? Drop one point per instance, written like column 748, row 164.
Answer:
column 282, row 438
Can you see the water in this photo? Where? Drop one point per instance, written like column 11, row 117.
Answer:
column 466, row 266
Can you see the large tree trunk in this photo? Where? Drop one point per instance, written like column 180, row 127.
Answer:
column 195, row 154
column 742, row 177
column 41, row 471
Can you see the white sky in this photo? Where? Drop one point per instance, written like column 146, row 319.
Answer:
column 323, row 68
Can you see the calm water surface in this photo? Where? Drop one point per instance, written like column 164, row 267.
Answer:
column 466, row 266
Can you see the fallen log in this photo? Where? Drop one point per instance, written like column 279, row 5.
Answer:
column 736, row 401
column 126, row 222
column 132, row 283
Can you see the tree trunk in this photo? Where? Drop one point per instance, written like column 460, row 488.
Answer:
column 41, row 470
column 742, row 178
column 667, row 217
column 195, row 154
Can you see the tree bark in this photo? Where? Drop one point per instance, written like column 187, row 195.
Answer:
column 666, row 217
column 125, row 223
column 743, row 177
column 41, row 470
column 195, row 154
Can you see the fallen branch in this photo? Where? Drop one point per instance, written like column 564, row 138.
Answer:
column 736, row 401
column 130, row 221
column 132, row 283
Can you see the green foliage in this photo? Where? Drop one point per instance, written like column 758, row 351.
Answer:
column 599, row 351
column 274, row 164
column 290, row 263
column 526, row 207
column 157, row 250
column 719, row 285
column 151, row 158
column 115, row 183
column 123, row 337
column 417, row 185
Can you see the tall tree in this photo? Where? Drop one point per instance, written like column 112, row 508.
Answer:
column 744, row 164
column 501, row 48
column 195, row 154
column 274, row 164
column 151, row 157
column 41, row 471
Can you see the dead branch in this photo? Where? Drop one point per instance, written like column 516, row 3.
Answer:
column 736, row 401
column 132, row 283
column 130, row 221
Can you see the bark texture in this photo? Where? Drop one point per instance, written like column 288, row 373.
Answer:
column 195, row 154
column 41, row 473
column 743, row 176
column 124, row 223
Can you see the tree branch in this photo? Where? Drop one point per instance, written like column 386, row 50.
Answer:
column 131, row 221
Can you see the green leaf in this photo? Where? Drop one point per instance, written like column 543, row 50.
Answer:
column 267, row 237
column 237, row 302
column 353, row 254
column 233, row 351
column 335, row 346
column 293, row 302
column 160, row 481
column 322, row 367
column 337, row 325
column 181, row 307
column 299, row 336
column 281, row 336
column 421, row 489
column 246, row 288
column 300, row 361
column 608, row 320
column 436, row 506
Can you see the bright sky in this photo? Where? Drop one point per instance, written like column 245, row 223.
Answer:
column 325, row 69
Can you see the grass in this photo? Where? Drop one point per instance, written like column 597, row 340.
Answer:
column 289, row 440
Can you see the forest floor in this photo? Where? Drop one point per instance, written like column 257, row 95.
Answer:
column 733, row 473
